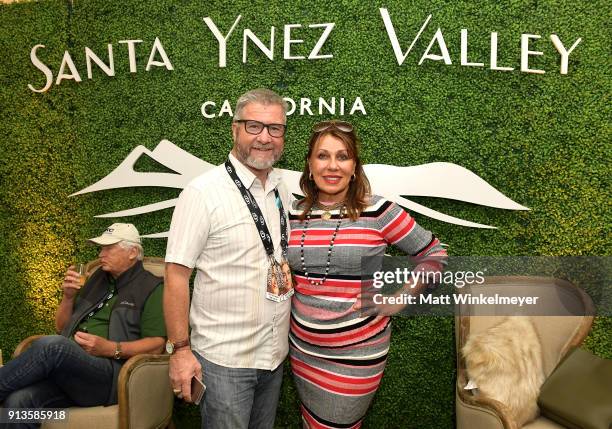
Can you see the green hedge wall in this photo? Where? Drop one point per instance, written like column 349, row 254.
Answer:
column 543, row 140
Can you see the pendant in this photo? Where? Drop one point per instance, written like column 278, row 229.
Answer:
column 326, row 215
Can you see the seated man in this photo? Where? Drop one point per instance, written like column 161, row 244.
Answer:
column 117, row 314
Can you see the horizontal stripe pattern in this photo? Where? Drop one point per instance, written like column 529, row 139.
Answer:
column 314, row 422
column 367, row 351
column 382, row 223
column 338, row 356
column 346, row 385
column 336, row 393
column 339, row 337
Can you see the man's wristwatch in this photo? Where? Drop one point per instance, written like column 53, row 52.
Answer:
column 171, row 347
column 117, row 351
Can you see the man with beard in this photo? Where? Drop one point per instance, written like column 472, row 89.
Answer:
column 230, row 224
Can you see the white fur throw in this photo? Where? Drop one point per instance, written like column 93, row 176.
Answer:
column 505, row 362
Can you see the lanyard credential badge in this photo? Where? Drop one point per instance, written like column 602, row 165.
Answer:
column 279, row 283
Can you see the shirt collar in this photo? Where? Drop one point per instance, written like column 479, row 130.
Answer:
column 274, row 177
column 247, row 177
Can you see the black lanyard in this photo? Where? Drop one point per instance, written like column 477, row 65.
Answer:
column 256, row 214
column 97, row 308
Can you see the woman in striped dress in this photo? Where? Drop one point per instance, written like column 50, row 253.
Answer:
column 337, row 354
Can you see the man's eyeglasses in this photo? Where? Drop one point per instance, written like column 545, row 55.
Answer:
column 345, row 127
column 256, row 127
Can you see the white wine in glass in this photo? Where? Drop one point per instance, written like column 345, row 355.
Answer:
column 80, row 268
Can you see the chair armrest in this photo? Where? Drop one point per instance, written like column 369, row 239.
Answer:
column 487, row 405
column 144, row 392
column 470, row 416
column 24, row 344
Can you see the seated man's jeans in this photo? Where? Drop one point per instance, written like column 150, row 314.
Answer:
column 54, row 372
column 239, row 398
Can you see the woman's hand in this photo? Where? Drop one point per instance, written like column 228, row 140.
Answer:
column 375, row 302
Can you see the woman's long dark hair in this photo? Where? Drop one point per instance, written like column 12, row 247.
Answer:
column 358, row 192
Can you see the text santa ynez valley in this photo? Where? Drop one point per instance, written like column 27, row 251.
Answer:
column 297, row 39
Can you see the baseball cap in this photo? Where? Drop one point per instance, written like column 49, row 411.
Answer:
column 117, row 232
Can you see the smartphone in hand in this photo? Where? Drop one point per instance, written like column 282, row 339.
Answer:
column 197, row 390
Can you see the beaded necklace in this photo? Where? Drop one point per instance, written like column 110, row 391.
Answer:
column 331, row 245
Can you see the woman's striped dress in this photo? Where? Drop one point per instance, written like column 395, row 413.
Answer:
column 337, row 356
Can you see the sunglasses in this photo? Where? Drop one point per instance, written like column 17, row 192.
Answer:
column 345, row 127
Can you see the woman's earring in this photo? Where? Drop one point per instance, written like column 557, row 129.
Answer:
column 353, row 177
column 310, row 177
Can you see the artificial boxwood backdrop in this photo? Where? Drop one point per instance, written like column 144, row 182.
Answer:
column 541, row 139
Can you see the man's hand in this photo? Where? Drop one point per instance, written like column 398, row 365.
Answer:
column 70, row 288
column 183, row 366
column 71, row 285
column 95, row 345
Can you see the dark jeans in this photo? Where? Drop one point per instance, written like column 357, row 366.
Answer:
column 54, row 372
column 239, row 398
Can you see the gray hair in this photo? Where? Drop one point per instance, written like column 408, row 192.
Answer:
column 129, row 244
column 262, row 96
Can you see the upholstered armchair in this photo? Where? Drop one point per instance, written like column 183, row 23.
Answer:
column 145, row 398
column 557, row 334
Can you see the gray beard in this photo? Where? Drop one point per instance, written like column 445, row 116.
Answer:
column 260, row 165
column 255, row 163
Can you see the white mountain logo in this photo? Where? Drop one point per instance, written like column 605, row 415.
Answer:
column 437, row 179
